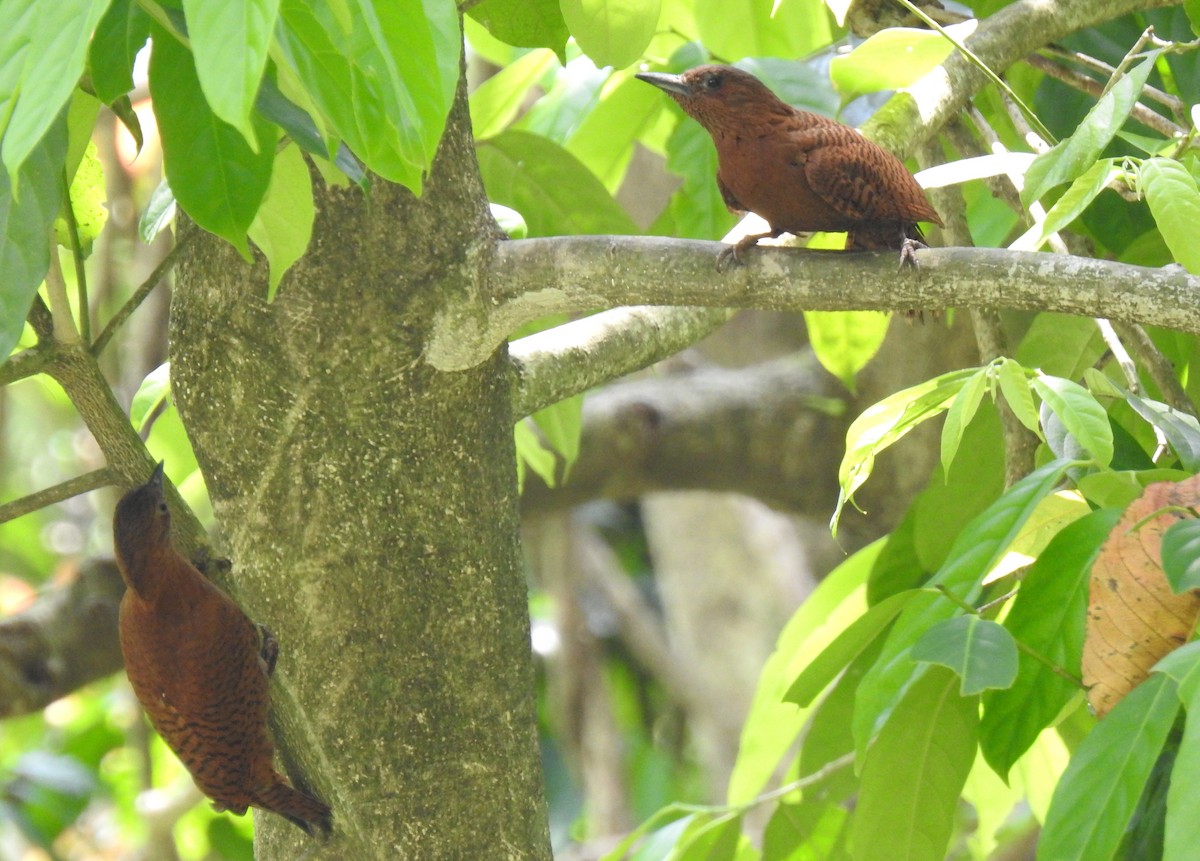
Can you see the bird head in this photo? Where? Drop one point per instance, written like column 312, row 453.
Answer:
column 142, row 521
column 720, row 98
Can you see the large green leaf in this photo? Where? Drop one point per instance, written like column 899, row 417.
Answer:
column 496, row 102
column 383, row 75
column 886, row 422
column 230, row 40
column 978, row 548
column 525, row 23
column 979, row 650
column 1080, row 413
column 25, row 230
column 1175, row 202
column 961, row 412
column 893, row 58
column 789, row 28
column 1104, row 780
column 283, row 225
column 1078, row 153
column 604, row 139
column 43, row 47
column 214, row 174
column 549, row 187
column 612, row 32
column 850, row 643
column 1183, row 797
column 844, row 341
column 914, row 772
column 698, row 209
column 772, row 725
column 121, row 33
column 1048, row 617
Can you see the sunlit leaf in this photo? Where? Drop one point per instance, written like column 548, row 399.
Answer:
column 894, row 58
column 1080, row 413
column 980, row 651
column 1175, row 202
column 283, row 225
column 845, row 341
column 1102, row 783
column 611, row 32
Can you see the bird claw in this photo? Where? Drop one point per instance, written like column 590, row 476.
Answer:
column 729, row 252
column 908, row 253
column 268, row 650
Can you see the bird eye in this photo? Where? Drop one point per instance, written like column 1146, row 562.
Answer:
column 712, row 82
column 162, row 508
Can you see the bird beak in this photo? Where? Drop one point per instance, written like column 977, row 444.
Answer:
column 673, row 84
column 156, row 477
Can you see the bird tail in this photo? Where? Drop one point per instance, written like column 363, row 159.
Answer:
column 298, row 808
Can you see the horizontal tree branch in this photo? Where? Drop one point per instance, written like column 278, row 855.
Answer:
column 532, row 278
column 559, row 362
column 89, row 481
column 773, row 431
column 65, row 639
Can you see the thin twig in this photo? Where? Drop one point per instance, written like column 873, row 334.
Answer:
column 1120, row 354
column 1176, row 105
column 1151, row 359
column 1141, row 113
column 139, row 295
column 89, row 481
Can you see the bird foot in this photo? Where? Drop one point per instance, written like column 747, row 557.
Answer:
column 735, row 251
column 209, row 565
column 908, row 253
column 268, row 650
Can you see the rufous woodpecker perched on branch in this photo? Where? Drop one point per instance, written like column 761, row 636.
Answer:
column 801, row 172
column 200, row 667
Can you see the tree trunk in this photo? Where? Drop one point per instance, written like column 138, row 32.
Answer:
column 368, row 504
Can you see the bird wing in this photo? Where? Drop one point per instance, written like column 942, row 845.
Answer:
column 857, row 178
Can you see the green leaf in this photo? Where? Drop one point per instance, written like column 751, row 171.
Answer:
column 976, row 551
column 1183, row 666
column 1078, row 153
column 1181, row 555
column 561, row 423
column 979, row 650
column 1183, row 797
column 153, row 390
column 914, row 772
column 214, row 174
column 715, row 840
column 1061, row 344
column 1048, row 617
column 497, row 100
column 88, row 199
column 604, row 140
column 848, row 645
column 25, row 231
column 961, row 412
column 554, row 193
column 525, row 23
column 1104, row 780
column 121, row 33
column 1086, row 188
column 698, row 210
column 302, row 128
column 383, row 76
column 793, row 28
column 283, row 225
column 885, row 423
column 804, row 832
column 1181, row 430
column 1014, row 385
column 160, row 209
column 230, row 40
column 1192, row 7
column 893, row 58
column 531, row 453
column 611, row 32
column 772, row 725
column 43, row 47
column 510, row 221
column 1175, row 203
column 844, row 341
column 1080, row 413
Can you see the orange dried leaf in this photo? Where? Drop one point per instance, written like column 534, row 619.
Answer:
column 1133, row 617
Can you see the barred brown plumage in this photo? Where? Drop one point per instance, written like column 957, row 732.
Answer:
column 200, row 667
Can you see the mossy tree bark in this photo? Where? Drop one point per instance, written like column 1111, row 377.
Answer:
column 368, row 504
